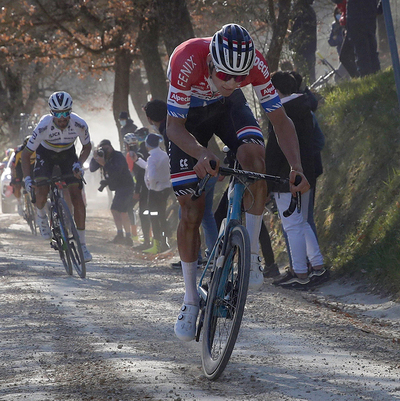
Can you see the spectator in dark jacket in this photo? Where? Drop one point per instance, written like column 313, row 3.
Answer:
column 141, row 193
column 361, row 28
column 303, row 243
column 303, row 39
column 127, row 124
column 156, row 113
column 119, row 179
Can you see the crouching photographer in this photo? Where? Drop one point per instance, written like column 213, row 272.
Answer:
column 119, row 179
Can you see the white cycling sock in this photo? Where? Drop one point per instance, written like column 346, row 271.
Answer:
column 82, row 236
column 41, row 212
column 253, row 225
column 189, row 271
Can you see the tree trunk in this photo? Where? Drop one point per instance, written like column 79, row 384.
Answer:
column 174, row 13
column 148, row 45
column 280, row 26
column 138, row 94
column 123, row 61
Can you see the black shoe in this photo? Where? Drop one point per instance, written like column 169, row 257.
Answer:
column 118, row 239
column 319, row 276
column 288, row 275
column 128, row 241
column 296, row 283
column 176, row 265
column 271, row 271
column 141, row 247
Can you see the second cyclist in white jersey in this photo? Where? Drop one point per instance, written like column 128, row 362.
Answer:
column 53, row 140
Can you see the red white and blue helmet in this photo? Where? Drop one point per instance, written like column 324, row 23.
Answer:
column 60, row 101
column 232, row 50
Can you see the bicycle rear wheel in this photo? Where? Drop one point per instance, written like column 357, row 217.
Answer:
column 72, row 237
column 225, row 304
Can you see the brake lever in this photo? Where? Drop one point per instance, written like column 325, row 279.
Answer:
column 295, row 201
column 202, row 184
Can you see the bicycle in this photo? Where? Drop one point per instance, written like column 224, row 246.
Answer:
column 224, row 282
column 28, row 212
column 64, row 235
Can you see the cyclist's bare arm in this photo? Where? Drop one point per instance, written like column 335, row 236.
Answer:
column 85, row 152
column 26, row 162
column 178, row 134
column 288, row 142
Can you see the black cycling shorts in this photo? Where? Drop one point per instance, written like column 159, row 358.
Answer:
column 231, row 119
column 46, row 160
column 123, row 200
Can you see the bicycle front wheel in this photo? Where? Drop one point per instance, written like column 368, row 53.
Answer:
column 225, row 304
column 58, row 240
column 72, row 237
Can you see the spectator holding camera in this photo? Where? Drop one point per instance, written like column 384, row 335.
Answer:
column 119, row 179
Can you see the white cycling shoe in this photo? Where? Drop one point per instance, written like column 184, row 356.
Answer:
column 44, row 228
column 185, row 326
column 256, row 278
column 87, row 256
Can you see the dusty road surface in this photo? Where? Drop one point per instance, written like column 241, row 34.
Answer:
column 110, row 336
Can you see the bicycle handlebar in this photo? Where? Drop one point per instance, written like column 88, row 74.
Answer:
column 51, row 180
column 295, row 201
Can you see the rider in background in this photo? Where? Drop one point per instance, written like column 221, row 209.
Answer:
column 53, row 140
column 204, row 99
column 16, row 172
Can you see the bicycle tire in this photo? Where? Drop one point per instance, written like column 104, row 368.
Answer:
column 72, row 237
column 30, row 215
column 61, row 244
column 224, row 311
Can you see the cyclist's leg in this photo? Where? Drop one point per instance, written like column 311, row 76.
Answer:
column 42, row 170
column 184, row 180
column 65, row 161
column 241, row 132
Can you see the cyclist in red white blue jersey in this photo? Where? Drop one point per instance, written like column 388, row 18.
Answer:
column 204, row 99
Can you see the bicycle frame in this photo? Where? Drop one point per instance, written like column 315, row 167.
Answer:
column 235, row 194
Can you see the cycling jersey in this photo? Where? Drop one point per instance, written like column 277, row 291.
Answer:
column 47, row 134
column 191, row 85
column 17, row 173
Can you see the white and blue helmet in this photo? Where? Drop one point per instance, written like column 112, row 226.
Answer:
column 60, row 101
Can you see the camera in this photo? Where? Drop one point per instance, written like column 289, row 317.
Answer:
column 103, row 184
column 100, row 152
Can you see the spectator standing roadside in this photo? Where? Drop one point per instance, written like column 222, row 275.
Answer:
column 141, row 193
column 303, row 39
column 158, row 182
column 156, row 113
column 361, row 28
column 303, row 243
column 126, row 123
column 118, row 178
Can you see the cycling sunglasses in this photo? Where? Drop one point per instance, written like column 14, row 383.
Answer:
column 59, row 114
column 223, row 76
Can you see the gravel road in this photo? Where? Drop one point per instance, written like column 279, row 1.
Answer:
column 110, row 336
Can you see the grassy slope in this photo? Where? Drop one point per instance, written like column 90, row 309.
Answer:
column 358, row 199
